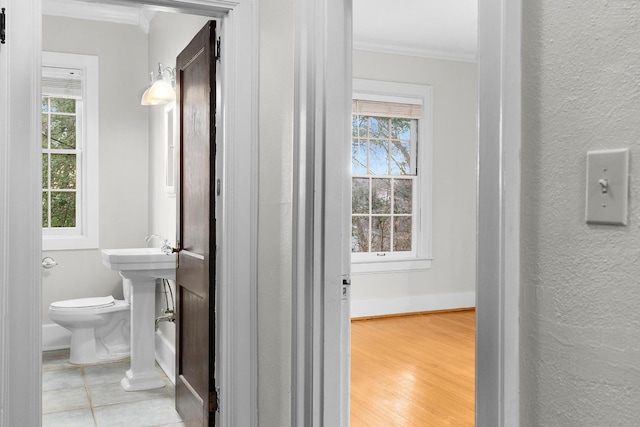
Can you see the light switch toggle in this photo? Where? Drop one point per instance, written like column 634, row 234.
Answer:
column 607, row 187
column 604, row 185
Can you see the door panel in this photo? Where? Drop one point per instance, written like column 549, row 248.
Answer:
column 195, row 276
column 193, row 273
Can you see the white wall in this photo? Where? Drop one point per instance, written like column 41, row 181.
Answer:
column 450, row 283
column 275, row 224
column 122, row 51
column 580, row 340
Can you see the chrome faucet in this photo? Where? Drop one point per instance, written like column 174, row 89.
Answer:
column 165, row 248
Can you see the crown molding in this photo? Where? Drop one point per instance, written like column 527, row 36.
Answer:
column 99, row 12
column 447, row 55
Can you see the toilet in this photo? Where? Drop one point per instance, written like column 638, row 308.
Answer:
column 100, row 326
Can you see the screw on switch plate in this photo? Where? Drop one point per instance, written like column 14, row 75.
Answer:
column 607, row 187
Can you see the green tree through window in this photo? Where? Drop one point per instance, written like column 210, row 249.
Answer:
column 59, row 162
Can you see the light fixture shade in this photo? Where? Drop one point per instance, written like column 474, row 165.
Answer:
column 160, row 92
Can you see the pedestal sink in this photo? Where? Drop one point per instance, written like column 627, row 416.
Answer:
column 142, row 266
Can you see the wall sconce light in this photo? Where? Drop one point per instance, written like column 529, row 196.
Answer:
column 160, row 91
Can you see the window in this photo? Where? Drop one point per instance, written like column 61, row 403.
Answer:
column 69, row 151
column 391, row 185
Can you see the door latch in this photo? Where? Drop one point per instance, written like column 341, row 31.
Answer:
column 346, row 283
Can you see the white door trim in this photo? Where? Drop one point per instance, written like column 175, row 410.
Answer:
column 322, row 42
column 498, row 250
column 321, row 197
column 20, row 221
column 20, row 232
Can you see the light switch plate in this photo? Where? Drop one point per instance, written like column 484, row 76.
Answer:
column 607, row 187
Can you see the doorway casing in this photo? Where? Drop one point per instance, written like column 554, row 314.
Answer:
column 498, row 210
column 20, row 275
column 321, row 87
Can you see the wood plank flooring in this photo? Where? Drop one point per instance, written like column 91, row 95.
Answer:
column 415, row 370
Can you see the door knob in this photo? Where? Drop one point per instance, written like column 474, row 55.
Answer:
column 48, row 262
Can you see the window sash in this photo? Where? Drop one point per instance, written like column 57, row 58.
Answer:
column 49, row 229
column 371, row 109
column 370, row 215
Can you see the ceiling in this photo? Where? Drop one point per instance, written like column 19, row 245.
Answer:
column 444, row 29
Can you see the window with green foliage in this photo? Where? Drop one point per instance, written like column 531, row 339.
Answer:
column 69, row 151
column 390, row 176
column 59, row 162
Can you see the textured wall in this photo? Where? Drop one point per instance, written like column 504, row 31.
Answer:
column 455, row 141
column 580, row 322
column 123, row 153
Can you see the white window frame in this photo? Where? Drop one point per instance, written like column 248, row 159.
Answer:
column 86, row 235
column 420, row 258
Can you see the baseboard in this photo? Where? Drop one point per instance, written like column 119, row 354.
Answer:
column 55, row 337
column 166, row 355
column 419, row 303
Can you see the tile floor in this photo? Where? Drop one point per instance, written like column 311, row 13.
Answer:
column 91, row 396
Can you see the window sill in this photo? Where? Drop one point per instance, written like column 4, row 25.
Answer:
column 391, row 266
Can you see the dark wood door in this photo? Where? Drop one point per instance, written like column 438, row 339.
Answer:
column 196, row 273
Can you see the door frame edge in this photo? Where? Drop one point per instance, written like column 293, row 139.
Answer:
column 20, row 240
column 498, row 215
column 239, row 362
column 499, row 191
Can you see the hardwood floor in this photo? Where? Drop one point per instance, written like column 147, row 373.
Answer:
column 415, row 370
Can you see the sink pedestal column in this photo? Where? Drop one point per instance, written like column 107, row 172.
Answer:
column 143, row 374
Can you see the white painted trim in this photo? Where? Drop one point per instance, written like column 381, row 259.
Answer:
column 415, row 51
column 399, row 265
column 321, row 202
column 20, row 216
column 20, row 277
column 414, row 304
column 166, row 355
column 497, row 357
column 55, row 337
column 237, row 370
column 498, row 263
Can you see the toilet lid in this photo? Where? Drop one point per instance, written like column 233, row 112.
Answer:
column 96, row 302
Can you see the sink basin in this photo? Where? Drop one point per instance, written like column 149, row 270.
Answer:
column 150, row 262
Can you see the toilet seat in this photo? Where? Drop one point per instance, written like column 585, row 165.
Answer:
column 85, row 303
column 88, row 306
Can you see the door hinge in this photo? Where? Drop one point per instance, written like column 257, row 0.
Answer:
column 3, row 26
column 214, row 400
column 218, row 50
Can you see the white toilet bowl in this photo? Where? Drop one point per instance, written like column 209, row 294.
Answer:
column 100, row 327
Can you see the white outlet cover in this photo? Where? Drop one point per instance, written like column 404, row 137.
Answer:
column 607, row 187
